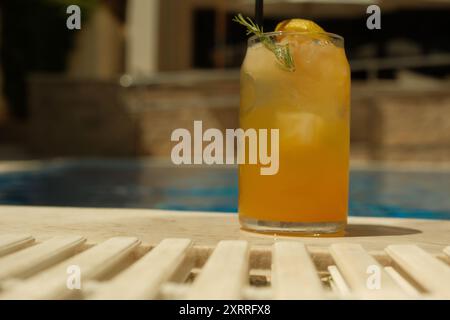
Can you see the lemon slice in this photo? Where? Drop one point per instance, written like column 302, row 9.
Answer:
column 313, row 30
column 299, row 25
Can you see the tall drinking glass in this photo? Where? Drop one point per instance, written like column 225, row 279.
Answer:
column 310, row 106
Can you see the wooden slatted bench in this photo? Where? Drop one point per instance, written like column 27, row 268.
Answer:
column 151, row 254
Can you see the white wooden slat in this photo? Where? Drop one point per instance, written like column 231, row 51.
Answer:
column 34, row 259
column 10, row 243
column 173, row 291
column 362, row 272
column 430, row 273
column 224, row 274
column 402, row 282
column 92, row 263
column 293, row 273
column 256, row 293
column 338, row 282
column 143, row 279
column 177, row 291
column 447, row 251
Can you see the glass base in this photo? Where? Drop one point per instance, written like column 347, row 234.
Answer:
column 314, row 229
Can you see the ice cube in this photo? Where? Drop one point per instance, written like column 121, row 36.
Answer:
column 260, row 62
column 302, row 128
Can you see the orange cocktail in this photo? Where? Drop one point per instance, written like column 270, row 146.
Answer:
column 310, row 105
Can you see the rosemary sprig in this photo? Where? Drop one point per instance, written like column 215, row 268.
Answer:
column 281, row 52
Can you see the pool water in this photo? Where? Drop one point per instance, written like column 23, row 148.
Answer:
column 134, row 184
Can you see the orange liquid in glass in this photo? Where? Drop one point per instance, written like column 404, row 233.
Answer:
column 310, row 107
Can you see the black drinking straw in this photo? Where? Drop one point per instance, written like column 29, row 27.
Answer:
column 259, row 12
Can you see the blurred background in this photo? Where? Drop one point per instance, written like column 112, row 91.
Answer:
column 138, row 69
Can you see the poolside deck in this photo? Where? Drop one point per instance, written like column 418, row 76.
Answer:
column 152, row 226
column 145, row 254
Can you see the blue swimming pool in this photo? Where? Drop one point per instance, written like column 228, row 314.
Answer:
column 134, row 184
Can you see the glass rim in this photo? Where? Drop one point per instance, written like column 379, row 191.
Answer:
column 254, row 39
